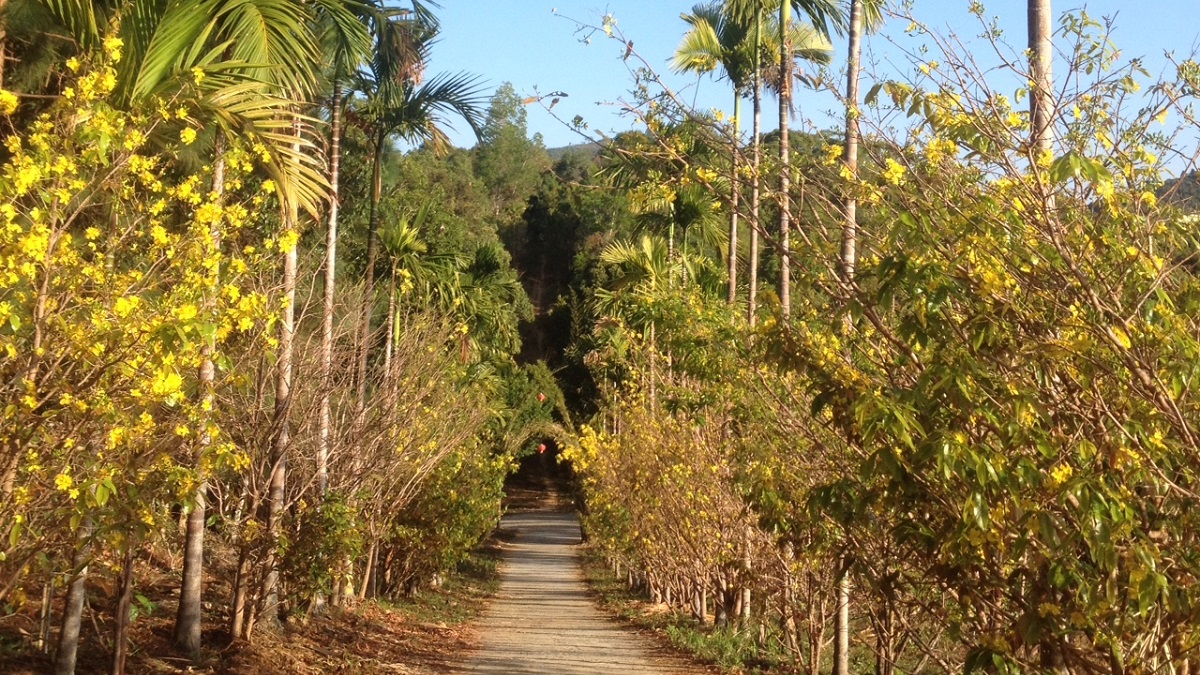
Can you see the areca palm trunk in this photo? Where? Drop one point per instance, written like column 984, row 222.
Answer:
column 850, row 154
column 752, row 285
column 389, row 346
column 1041, row 59
column 325, row 421
column 72, row 618
column 735, row 196
column 841, row 647
column 372, row 257
column 1041, row 106
column 281, row 423
column 785, row 165
column 190, row 612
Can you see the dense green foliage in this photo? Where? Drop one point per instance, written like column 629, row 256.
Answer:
column 974, row 423
column 988, row 430
column 163, row 308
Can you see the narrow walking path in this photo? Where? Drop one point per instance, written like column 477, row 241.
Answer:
column 542, row 619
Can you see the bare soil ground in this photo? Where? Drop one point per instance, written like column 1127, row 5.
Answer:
column 543, row 619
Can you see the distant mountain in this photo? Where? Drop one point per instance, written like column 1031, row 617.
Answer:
column 589, row 149
column 1183, row 192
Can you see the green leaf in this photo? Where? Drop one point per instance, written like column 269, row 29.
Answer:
column 872, row 96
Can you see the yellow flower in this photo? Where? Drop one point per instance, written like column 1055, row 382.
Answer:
column 112, row 47
column 1061, row 474
column 198, row 74
column 187, row 136
column 832, row 154
column 894, row 173
column 1121, row 337
column 125, row 306
column 938, row 149
column 8, row 102
column 288, row 240
column 108, row 81
column 63, row 481
column 73, row 64
column 166, row 383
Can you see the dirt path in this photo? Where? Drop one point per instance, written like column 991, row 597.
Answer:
column 543, row 621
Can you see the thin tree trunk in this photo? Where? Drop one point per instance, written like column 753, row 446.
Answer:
column 390, row 340
column 43, row 642
column 190, row 614
column 1041, row 72
column 849, row 262
column 325, row 419
column 841, row 645
column 3, row 40
column 281, row 423
column 124, row 604
column 735, row 197
column 785, row 165
column 850, row 225
column 364, row 590
column 68, row 637
column 755, row 189
column 369, row 290
column 241, row 589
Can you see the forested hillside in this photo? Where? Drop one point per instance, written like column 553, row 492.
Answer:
column 911, row 394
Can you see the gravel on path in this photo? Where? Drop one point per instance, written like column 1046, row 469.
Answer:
column 542, row 619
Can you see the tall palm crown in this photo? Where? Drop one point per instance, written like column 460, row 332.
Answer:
column 721, row 38
column 717, row 40
column 400, row 101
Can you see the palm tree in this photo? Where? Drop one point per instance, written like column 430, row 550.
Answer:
column 254, row 56
column 349, row 44
column 716, row 40
column 823, row 14
column 865, row 16
column 408, row 257
column 400, row 106
column 730, row 37
column 685, row 214
column 645, row 268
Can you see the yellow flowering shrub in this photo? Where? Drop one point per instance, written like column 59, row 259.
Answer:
column 112, row 283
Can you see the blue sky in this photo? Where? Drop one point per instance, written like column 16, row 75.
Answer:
column 524, row 42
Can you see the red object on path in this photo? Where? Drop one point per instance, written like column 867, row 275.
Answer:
column 541, row 397
column 541, row 448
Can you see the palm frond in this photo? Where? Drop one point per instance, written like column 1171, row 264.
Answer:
column 421, row 113
column 344, row 33
column 294, row 160
column 80, row 19
column 701, row 50
column 272, row 35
